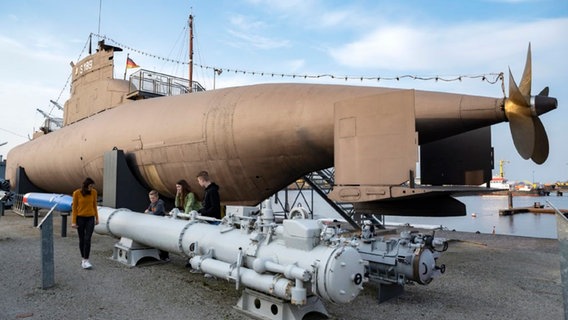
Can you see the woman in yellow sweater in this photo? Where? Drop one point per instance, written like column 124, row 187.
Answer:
column 84, row 218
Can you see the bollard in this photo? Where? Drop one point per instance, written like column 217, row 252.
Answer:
column 36, row 214
column 47, row 259
column 1, row 208
column 64, row 224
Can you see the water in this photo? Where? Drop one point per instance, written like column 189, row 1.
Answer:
column 486, row 209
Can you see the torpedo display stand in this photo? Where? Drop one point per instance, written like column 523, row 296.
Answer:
column 262, row 306
column 59, row 202
column 388, row 291
column 130, row 252
column 121, row 189
column 47, row 260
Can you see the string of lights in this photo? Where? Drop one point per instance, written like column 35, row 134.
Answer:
column 491, row 78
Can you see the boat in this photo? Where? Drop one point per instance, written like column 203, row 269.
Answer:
column 500, row 183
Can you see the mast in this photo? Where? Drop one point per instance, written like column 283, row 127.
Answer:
column 190, row 53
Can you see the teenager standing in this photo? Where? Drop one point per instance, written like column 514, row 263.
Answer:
column 84, row 218
column 211, row 199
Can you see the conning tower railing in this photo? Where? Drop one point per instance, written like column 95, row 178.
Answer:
column 149, row 84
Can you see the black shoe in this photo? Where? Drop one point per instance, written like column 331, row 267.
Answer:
column 188, row 265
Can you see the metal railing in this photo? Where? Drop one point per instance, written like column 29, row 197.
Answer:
column 321, row 183
column 161, row 84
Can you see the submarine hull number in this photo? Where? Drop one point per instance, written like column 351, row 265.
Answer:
column 86, row 66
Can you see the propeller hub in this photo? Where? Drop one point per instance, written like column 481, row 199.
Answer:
column 543, row 104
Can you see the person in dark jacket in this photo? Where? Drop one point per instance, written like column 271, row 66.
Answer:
column 211, row 199
column 157, row 208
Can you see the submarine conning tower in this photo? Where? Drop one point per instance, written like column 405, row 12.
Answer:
column 93, row 87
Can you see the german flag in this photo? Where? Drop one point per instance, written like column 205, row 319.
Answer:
column 131, row 64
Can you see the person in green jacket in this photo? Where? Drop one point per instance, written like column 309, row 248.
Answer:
column 185, row 199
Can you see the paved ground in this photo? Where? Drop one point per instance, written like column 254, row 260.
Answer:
column 487, row 277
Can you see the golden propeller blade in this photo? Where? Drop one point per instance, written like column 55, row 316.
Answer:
column 518, row 112
column 540, row 152
column 522, row 111
column 525, row 85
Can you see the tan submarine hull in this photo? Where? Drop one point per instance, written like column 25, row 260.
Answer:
column 254, row 140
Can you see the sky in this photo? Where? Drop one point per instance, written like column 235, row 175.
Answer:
column 271, row 40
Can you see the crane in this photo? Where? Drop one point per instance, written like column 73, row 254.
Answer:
column 501, row 166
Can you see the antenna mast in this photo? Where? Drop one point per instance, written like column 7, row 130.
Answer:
column 100, row 7
column 190, row 53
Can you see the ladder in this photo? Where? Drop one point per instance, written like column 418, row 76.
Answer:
column 322, row 181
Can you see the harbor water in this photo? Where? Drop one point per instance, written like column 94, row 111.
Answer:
column 482, row 214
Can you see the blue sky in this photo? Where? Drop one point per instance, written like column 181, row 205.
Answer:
column 371, row 38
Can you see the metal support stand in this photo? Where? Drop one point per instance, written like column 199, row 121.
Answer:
column 261, row 306
column 36, row 215
column 389, row 291
column 47, row 260
column 23, row 183
column 122, row 189
column 64, row 224
column 130, row 252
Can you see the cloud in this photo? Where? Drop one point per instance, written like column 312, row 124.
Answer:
column 257, row 41
column 248, row 32
column 290, row 6
column 36, row 73
column 334, row 18
column 44, row 50
column 9, row 43
column 297, row 64
column 434, row 48
column 313, row 14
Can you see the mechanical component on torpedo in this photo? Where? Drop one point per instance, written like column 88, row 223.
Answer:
column 410, row 258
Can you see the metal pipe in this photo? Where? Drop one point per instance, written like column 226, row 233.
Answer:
column 272, row 284
column 291, row 272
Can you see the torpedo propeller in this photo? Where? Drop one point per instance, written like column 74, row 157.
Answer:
column 522, row 111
